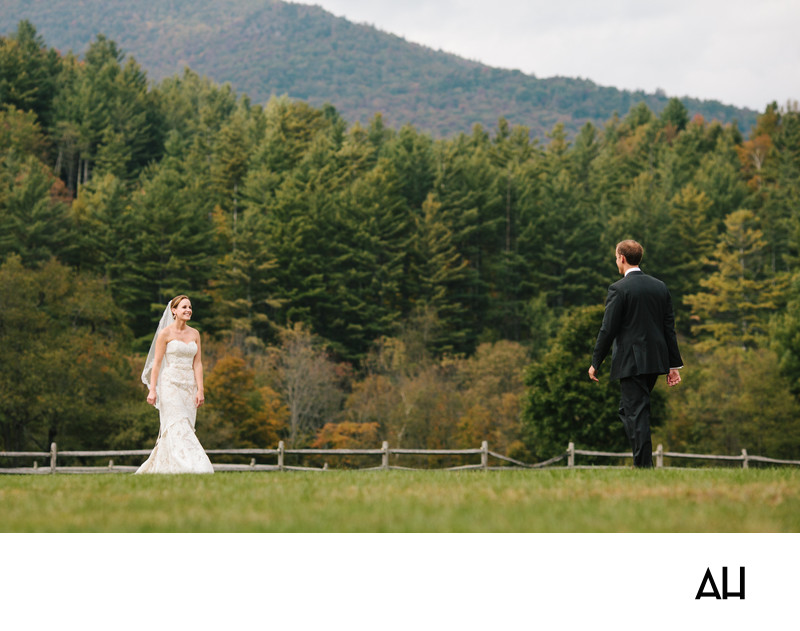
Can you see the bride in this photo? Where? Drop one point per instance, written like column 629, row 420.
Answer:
column 173, row 374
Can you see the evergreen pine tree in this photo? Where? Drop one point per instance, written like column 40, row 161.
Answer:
column 737, row 299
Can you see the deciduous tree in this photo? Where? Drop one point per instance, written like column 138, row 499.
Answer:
column 562, row 405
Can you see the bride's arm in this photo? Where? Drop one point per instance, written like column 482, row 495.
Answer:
column 200, row 397
column 161, row 346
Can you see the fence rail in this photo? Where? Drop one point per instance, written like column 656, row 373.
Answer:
column 385, row 452
column 660, row 454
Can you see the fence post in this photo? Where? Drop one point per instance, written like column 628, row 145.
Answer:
column 385, row 455
column 745, row 463
column 571, row 455
column 53, row 457
column 659, row 456
column 485, row 455
column 280, row 456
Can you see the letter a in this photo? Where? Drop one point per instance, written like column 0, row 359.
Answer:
column 710, row 579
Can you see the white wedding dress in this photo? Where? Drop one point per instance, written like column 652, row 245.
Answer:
column 177, row 449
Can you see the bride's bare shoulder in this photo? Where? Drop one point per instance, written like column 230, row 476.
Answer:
column 166, row 334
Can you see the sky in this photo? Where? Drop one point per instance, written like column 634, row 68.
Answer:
column 741, row 52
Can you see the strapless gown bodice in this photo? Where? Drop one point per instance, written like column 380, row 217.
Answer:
column 180, row 355
column 177, row 449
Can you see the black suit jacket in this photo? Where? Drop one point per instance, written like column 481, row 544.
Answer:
column 640, row 322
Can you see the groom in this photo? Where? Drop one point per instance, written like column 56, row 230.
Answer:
column 640, row 323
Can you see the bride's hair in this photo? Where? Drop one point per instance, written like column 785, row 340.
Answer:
column 176, row 301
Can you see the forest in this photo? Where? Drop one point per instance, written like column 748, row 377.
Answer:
column 359, row 283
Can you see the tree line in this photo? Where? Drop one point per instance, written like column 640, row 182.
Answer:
column 363, row 283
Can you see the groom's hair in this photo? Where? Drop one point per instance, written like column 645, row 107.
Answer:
column 631, row 250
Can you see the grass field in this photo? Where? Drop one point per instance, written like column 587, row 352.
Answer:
column 602, row 500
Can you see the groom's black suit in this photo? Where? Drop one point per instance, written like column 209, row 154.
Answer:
column 640, row 322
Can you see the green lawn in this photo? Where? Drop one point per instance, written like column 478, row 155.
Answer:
column 602, row 500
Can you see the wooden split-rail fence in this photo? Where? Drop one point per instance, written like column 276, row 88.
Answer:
column 387, row 455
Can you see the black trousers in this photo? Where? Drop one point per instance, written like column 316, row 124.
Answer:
column 634, row 412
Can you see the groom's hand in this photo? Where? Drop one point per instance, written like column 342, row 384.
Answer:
column 593, row 374
column 674, row 377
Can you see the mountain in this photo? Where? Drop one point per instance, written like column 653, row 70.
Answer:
column 265, row 47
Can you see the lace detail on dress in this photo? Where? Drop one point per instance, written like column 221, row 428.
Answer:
column 177, row 449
